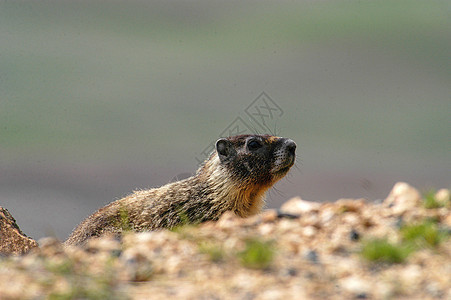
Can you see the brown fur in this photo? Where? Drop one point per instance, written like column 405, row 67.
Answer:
column 235, row 177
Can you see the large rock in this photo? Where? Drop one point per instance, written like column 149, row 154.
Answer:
column 402, row 198
column 12, row 239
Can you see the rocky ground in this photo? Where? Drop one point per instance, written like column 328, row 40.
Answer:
column 349, row 249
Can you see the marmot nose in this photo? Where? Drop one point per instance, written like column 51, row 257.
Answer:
column 290, row 145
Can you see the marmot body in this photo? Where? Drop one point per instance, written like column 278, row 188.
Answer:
column 235, row 177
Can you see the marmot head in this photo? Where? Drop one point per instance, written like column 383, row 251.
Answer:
column 259, row 160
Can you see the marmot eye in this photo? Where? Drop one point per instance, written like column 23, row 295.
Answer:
column 253, row 145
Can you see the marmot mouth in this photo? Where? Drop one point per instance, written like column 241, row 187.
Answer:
column 285, row 166
column 284, row 169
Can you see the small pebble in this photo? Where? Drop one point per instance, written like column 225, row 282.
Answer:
column 281, row 215
column 361, row 296
column 312, row 256
column 354, row 235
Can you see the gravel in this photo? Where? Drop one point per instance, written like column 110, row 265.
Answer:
column 305, row 250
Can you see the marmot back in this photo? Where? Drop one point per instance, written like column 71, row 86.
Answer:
column 235, row 177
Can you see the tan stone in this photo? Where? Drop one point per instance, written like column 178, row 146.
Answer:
column 309, row 231
column 447, row 220
column 269, row 215
column 443, row 196
column 227, row 220
column 297, row 206
column 356, row 285
column 402, row 198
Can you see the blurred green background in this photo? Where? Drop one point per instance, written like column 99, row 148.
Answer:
column 98, row 98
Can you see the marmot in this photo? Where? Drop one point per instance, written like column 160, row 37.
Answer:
column 235, row 177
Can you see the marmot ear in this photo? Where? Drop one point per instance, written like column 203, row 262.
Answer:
column 223, row 147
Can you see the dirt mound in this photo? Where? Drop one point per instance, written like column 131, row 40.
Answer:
column 398, row 248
